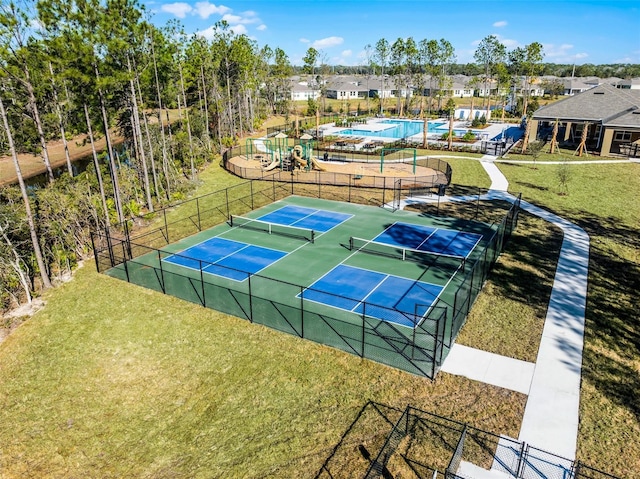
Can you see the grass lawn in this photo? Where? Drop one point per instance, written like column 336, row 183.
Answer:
column 113, row 380
column 603, row 199
column 137, row 384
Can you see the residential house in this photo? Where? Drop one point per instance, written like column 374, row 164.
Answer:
column 630, row 84
column 302, row 90
column 576, row 85
column 381, row 87
column 608, row 118
column 347, row 88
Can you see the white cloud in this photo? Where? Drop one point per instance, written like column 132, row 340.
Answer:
column 238, row 29
column 305, row 40
column 507, row 42
column 207, row 33
column 206, row 9
column 261, row 27
column 345, row 58
column 562, row 53
column 179, row 9
column 245, row 19
column 327, row 42
column 500, row 24
column 510, row 44
column 210, row 32
column 232, row 19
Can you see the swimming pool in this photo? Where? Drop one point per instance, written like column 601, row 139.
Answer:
column 398, row 129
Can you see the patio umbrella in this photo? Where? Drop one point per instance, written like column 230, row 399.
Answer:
column 554, row 134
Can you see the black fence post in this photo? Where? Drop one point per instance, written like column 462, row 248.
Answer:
column 301, row 311
column 250, row 298
column 95, row 253
column 198, row 210
column 524, row 451
column 204, row 298
column 364, row 311
column 384, row 190
column 226, row 194
column 435, row 362
column 273, row 183
column 166, row 225
column 112, row 258
column 126, row 270
column 127, row 239
column 164, row 291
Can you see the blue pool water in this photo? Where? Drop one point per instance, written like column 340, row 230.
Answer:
column 398, row 129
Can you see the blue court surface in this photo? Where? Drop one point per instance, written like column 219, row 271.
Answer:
column 309, row 218
column 226, row 258
column 364, row 291
column 429, row 239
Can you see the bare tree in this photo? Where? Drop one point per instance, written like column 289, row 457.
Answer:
column 37, row 251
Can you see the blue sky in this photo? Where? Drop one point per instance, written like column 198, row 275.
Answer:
column 571, row 31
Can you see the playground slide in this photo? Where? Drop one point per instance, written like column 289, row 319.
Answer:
column 260, row 146
column 315, row 164
column 274, row 164
column 296, row 155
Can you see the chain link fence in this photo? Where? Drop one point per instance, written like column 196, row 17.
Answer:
column 135, row 252
column 388, row 442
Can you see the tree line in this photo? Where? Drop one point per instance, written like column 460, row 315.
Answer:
column 100, row 68
column 624, row 71
column 427, row 64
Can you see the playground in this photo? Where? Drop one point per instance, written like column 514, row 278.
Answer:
column 259, row 158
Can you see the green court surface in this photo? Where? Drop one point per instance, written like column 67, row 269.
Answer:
column 276, row 295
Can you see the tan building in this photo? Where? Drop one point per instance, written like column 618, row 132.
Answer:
column 610, row 115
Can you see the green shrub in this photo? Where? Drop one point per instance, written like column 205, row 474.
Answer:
column 469, row 136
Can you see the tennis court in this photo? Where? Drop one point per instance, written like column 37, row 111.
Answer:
column 230, row 259
column 405, row 301
column 392, row 286
column 455, row 244
column 401, row 301
column 238, row 260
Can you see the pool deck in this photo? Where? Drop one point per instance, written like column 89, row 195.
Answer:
column 492, row 132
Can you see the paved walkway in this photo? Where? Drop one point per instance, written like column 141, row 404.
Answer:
column 551, row 414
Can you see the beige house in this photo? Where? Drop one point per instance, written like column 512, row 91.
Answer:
column 610, row 115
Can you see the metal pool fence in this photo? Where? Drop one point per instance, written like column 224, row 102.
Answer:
column 134, row 253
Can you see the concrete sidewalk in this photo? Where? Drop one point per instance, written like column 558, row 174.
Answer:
column 551, row 416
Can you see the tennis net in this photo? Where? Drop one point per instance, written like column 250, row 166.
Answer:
column 405, row 254
column 272, row 228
